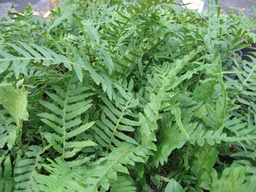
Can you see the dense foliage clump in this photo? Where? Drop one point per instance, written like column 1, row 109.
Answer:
column 112, row 96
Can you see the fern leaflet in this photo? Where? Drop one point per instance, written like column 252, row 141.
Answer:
column 115, row 123
column 6, row 171
column 62, row 178
column 233, row 179
column 26, row 168
column 14, row 100
column 106, row 170
column 64, row 118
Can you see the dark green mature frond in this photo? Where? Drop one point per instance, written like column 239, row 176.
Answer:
column 116, row 122
column 8, row 131
column 173, row 138
column 21, row 56
column 124, row 35
column 6, row 172
column 202, row 165
column 26, row 168
column 104, row 172
column 62, row 178
column 241, row 119
column 123, row 183
column 241, row 82
column 234, row 178
column 64, row 118
column 162, row 97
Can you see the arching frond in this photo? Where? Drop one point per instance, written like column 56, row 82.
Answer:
column 116, row 122
column 6, row 172
column 162, row 97
column 62, row 178
column 104, row 172
column 66, row 107
column 8, row 131
column 233, row 179
column 123, row 183
column 203, row 163
column 26, row 168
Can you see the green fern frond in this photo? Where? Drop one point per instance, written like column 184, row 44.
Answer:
column 234, row 178
column 6, row 173
column 242, row 130
column 62, row 178
column 8, row 131
column 104, row 172
column 123, row 183
column 202, row 165
column 242, row 86
column 173, row 138
column 241, row 119
column 115, row 123
column 101, row 174
column 162, row 98
column 93, row 42
column 240, row 126
column 128, row 46
column 14, row 100
column 126, row 96
column 64, row 118
column 214, row 113
column 26, row 168
column 21, row 56
column 211, row 104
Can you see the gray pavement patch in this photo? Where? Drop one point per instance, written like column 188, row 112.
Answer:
column 4, row 8
column 19, row 5
column 245, row 6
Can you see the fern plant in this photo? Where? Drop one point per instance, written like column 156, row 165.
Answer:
column 65, row 121
column 122, row 96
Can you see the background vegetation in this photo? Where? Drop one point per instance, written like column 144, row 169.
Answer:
column 112, row 96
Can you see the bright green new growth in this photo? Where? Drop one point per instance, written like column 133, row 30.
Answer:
column 231, row 174
column 14, row 100
column 114, row 96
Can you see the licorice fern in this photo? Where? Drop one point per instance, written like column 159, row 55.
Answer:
column 64, row 118
column 241, row 88
column 106, row 171
column 115, row 123
column 233, row 179
column 62, row 177
column 22, row 56
column 100, row 174
column 138, row 96
column 26, row 168
column 8, row 131
column 6, row 170
column 203, row 163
